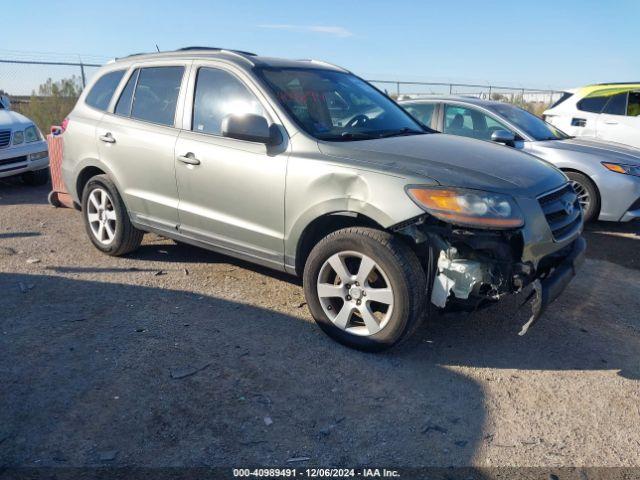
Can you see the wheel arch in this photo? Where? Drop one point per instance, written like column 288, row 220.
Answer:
column 322, row 226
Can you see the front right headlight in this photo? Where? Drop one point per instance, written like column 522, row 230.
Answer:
column 31, row 134
column 466, row 207
column 18, row 137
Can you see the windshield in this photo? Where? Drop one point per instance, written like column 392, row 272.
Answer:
column 337, row 106
column 527, row 122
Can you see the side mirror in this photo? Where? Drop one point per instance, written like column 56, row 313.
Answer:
column 4, row 99
column 503, row 136
column 248, row 126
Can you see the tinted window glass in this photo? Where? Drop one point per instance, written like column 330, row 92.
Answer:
column 527, row 122
column 219, row 94
column 123, row 107
column 156, row 94
column 422, row 111
column 101, row 93
column 337, row 106
column 617, row 105
column 633, row 110
column 592, row 104
column 468, row 122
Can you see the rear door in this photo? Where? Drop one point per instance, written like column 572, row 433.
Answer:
column 231, row 191
column 619, row 121
column 137, row 141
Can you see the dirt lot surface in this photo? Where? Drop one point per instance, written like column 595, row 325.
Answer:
column 176, row 356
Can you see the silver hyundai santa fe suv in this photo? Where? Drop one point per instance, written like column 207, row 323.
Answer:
column 303, row 167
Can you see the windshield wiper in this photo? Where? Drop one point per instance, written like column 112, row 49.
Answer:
column 401, row 132
column 358, row 136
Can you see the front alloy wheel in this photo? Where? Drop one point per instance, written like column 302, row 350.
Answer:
column 360, row 303
column 365, row 288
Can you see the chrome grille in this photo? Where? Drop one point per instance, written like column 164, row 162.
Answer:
column 562, row 210
column 5, row 138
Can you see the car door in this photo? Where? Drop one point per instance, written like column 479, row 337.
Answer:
column 231, row 191
column 619, row 121
column 136, row 140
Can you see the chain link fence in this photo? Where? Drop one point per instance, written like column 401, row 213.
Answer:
column 46, row 90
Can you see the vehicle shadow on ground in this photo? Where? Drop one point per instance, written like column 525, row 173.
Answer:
column 164, row 377
column 618, row 243
column 14, row 192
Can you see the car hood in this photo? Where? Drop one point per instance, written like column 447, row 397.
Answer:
column 11, row 119
column 615, row 152
column 453, row 161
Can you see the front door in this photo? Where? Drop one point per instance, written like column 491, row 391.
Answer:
column 620, row 120
column 137, row 142
column 231, row 191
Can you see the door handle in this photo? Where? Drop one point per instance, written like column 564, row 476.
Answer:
column 189, row 159
column 107, row 138
column 610, row 122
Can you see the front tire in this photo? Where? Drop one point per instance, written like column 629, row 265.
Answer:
column 106, row 219
column 365, row 288
column 587, row 195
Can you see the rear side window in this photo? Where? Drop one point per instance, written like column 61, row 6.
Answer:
column 100, row 94
column 156, row 94
column 423, row 112
column 219, row 94
column 123, row 107
column 617, row 105
column 592, row 104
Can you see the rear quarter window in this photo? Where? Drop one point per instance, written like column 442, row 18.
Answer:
column 592, row 104
column 100, row 94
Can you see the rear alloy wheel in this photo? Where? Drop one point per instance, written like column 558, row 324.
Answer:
column 365, row 288
column 587, row 194
column 106, row 218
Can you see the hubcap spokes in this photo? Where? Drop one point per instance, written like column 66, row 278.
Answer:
column 101, row 215
column 360, row 303
column 583, row 195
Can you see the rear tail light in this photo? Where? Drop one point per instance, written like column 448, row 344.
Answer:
column 65, row 124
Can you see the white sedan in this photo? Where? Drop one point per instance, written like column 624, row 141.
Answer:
column 23, row 150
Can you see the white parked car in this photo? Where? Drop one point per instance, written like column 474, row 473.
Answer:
column 23, row 150
column 608, row 111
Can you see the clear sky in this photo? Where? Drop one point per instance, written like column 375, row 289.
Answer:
column 543, row 44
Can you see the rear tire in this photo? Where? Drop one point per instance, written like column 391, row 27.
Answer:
column 106, row 218
column 36, row 178
column 392, row 275
column 587, row 195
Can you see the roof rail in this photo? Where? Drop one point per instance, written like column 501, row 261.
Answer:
column 615, row 83
column 186, row 49
column 238, row 53
column 322, row 62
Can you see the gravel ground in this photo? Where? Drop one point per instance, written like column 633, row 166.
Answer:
column 175, row 356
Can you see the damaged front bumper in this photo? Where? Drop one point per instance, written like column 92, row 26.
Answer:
column 470, row 269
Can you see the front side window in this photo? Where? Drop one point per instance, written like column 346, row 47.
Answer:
column 423, row 112
column 100, row 94
column 337, row 106
column 592, row 104
column 617, row 105
column 527, row 122
column 156, row 94
column 217, row 95
column 469, row 122
column 633, row 108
